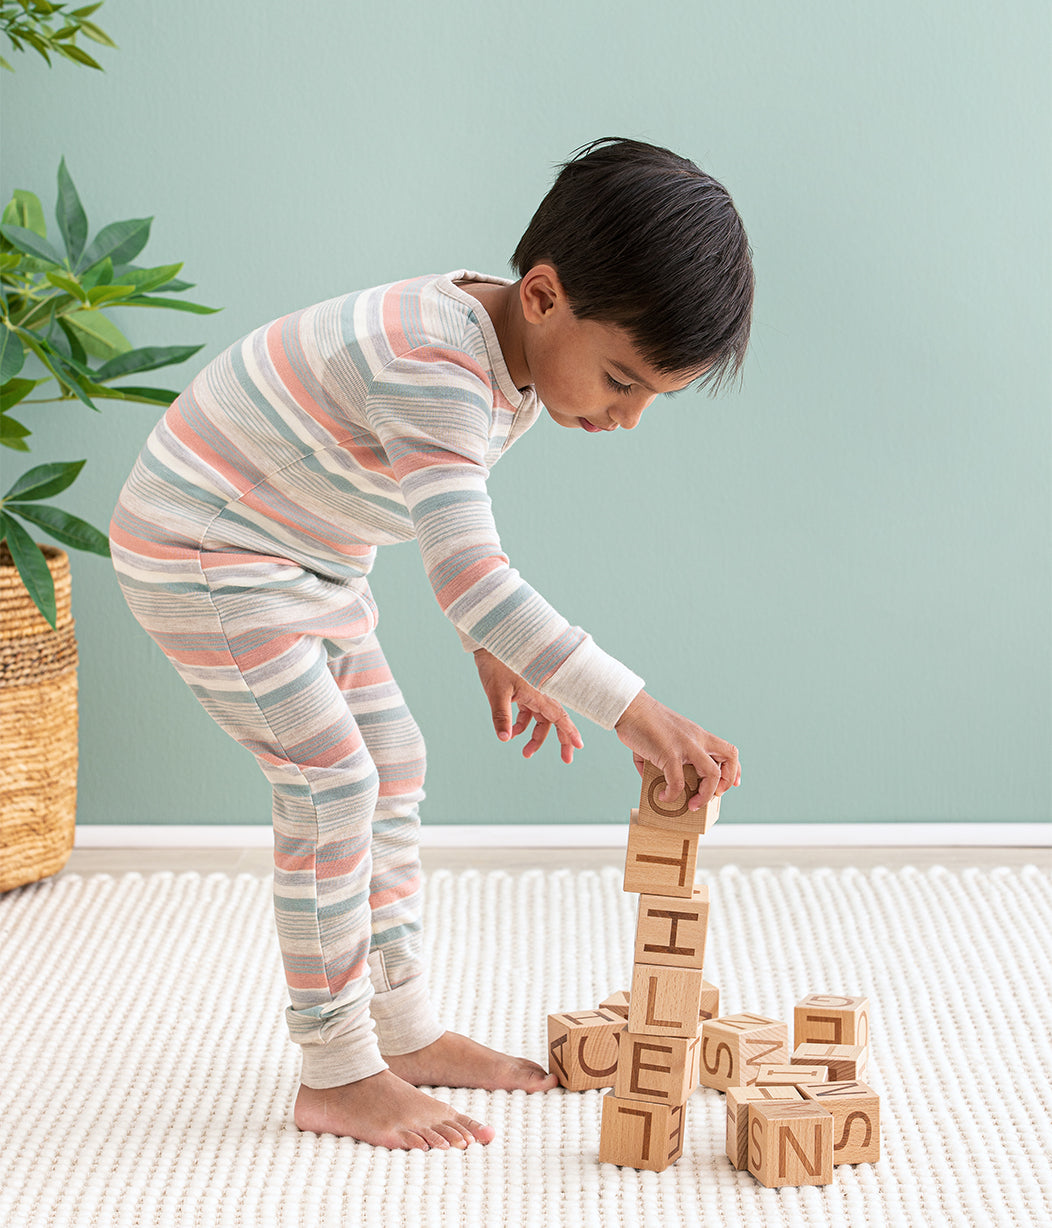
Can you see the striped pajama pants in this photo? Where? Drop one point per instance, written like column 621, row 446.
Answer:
column 288, row 663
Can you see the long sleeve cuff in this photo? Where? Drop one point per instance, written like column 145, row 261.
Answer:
column 595, row 684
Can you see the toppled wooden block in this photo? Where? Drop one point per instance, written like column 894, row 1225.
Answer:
column 790, row 1075
column 735, row 1047
column 790, row 1143
column 674, row 814
column 660, row 862
column 738, row 1117
column 671, row 930
column 856, row 1119
column 830, row 1019
column 582, row 1048
column 665, row 1001
column 616, row 1002
column 842, row 1061
column 663, row 1069
column 636, row 1134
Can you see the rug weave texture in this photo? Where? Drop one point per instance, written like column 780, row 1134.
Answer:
column 146, row 1077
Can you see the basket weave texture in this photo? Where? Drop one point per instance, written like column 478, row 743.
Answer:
column 38, row 727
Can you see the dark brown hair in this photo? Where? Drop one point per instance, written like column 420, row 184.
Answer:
column 643, row 239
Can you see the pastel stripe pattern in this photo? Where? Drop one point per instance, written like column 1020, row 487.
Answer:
column 242, row 541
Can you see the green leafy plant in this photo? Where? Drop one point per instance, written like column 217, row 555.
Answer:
column 53, row 311
column 28, row 23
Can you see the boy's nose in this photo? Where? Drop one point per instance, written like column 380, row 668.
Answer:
column 628, row 415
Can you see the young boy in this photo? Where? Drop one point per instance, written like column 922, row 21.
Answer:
column 244, row 535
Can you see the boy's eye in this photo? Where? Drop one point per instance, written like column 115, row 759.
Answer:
column 623, row 388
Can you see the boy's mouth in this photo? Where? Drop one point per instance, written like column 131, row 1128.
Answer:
column 590, row 426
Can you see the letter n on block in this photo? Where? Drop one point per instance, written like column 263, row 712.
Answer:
column 790, row 1144
column 637, row 1134
column 582, row 1048
column 738, row 1117
column 856, row 1119
column 660, row 862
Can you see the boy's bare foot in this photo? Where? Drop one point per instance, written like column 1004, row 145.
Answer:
column 385, row 1111
column 455, row 1061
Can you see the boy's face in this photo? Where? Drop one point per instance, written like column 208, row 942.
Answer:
column 587, row 374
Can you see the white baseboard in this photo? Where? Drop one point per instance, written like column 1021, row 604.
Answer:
column 603, row 835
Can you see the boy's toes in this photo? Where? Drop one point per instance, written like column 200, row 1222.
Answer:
column 484, row 1134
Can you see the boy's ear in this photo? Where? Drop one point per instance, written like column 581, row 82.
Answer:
column 540, row 292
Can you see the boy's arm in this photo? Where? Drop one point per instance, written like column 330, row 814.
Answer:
column 431, row 410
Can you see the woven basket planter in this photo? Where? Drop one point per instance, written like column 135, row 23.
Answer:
column 38, row 727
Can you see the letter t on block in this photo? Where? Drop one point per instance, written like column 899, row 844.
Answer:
column 660, row 862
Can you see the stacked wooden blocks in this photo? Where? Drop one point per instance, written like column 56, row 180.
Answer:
column 790, row 1118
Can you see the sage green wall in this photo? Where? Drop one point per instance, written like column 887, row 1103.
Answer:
column 844, row 567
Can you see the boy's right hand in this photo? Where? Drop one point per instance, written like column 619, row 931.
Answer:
column 655, row 734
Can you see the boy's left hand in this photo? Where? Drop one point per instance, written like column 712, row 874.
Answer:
column 504, row 687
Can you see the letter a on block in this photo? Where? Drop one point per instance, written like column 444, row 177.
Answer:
column 674, row 814
column 636, row 1134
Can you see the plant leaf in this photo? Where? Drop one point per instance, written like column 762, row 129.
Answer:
column 100, row 274
column 100, row 337
column 144, row 396
column 12, row 354
column 104, row 294
column 69, row 284
column 24, row 209
column 147, row 279
column 149, row 358
column 32, row 567
column 45, row 481
column 143, row 300
column 99, row 36
column 64, row 527
column 13, row 434
column 73, row 52
column 72, row 220
column 120, row 241
column 31, row 243
column 87, row 10
column 14, row 390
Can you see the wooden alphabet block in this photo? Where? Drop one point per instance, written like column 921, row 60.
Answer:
column 734, row 1047
column 830, row 1019
column 790, row 1143
column 657, row 1068
column 856, row 1119
column 660, row 862
column 636, row 1134
column 738, row 1117
column 616, row 1002
column 671, row 930
column 665, row 1001
column 842, row 1061
column 582, row 1048
column 674, row 814
column 710, row 1001
column 790, row 1075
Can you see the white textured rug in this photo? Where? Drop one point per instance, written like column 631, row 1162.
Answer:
column 146, row 1077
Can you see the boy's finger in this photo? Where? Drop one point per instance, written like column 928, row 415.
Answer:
column 522, row 722
column 674, row 782
column 540, row 732
column 500, row 707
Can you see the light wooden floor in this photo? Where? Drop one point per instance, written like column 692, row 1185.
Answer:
column 258, row 861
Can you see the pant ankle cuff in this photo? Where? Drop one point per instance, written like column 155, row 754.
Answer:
column 342, row 1059
column 405, row 1020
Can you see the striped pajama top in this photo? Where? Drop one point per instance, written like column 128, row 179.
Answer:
column 370, row 418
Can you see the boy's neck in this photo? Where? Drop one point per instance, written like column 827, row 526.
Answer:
column 502, row 305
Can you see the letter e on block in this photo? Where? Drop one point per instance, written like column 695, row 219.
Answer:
column 789, row 1143
column 637, row 1134
column 582, row 1048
